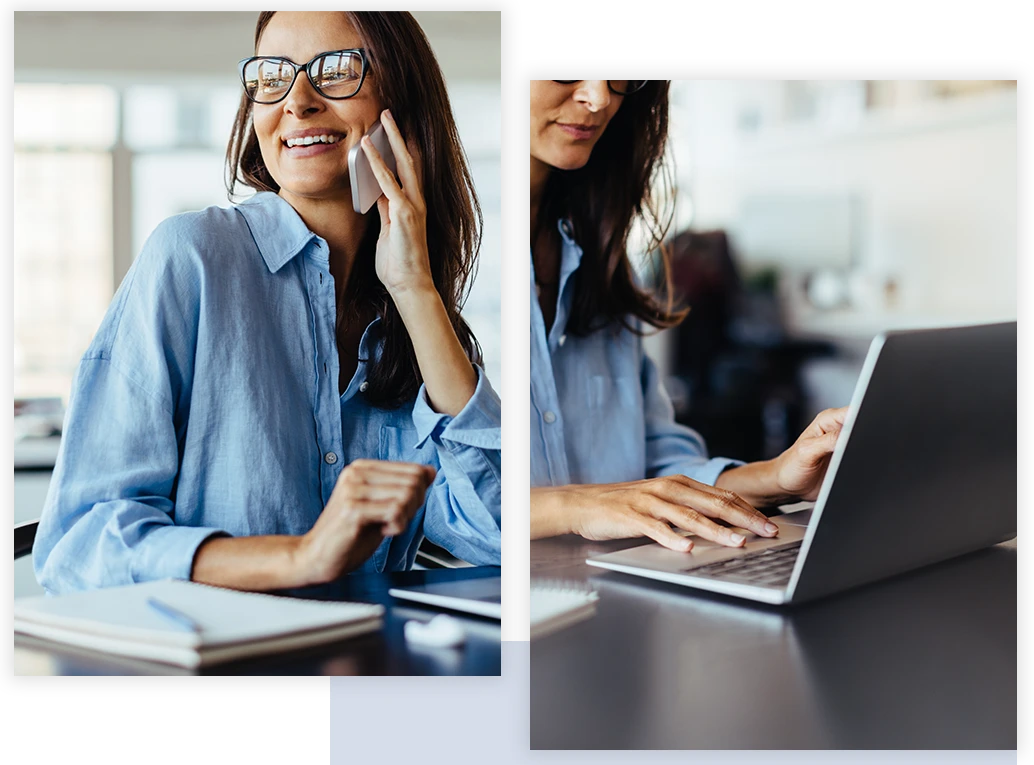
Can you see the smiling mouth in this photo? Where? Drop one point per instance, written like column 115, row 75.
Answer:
column 310, row 140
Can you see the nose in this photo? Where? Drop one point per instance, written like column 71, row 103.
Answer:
column 593, row 94
column 303, row 98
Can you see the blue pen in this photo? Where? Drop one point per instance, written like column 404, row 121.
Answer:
column 174, row 615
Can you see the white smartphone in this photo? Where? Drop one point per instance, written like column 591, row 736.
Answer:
column 365, row 189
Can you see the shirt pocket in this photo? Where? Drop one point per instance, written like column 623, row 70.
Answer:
column 397, row 444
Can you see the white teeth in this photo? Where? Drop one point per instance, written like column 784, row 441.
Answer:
column 311, row 139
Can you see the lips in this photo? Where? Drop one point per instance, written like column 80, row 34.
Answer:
column 311, row 150
column 577, row 131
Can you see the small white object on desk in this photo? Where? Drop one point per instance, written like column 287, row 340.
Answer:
column 441, row 632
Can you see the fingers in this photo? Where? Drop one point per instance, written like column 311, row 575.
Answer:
column 404, row 154
column 385, row 178
column 663, row 534
column 366, row 466
column 388, row 493
column 827, row 421
column 811, row 451
column 692, row 520
column 690, row 501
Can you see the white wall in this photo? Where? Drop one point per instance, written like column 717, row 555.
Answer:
column 938, row 183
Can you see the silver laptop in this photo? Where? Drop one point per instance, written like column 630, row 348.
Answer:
column 924, row 470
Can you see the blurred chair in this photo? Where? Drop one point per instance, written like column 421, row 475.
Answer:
column 738, row 368
column 430, row 555
column 24, row 537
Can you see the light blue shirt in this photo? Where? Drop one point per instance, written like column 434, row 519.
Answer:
column 208, row 403
column 599, row 413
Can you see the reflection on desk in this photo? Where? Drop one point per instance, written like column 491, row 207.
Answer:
column 925, row 660
column 381, row 653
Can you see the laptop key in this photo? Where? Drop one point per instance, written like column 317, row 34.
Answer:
column 770, row 567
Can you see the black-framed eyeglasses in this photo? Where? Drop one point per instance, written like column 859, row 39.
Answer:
column 336, row 74
column 617, row 87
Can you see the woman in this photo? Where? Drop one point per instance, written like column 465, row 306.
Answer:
column 607, row 458
column 284, row 392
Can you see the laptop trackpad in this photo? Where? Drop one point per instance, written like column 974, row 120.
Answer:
column 796, row 517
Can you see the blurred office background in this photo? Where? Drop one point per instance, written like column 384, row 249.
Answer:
column 121, row 119
column 811, row 216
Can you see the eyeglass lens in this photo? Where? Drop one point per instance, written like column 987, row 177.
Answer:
column 624, row 87
column 335, row 75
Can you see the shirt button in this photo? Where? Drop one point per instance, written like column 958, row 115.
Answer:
column 549, row 417
column 331, row 458
column 363, row 386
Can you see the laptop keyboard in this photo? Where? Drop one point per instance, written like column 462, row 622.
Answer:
column 770, row 567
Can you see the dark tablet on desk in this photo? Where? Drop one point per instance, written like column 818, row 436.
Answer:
column 473, row 596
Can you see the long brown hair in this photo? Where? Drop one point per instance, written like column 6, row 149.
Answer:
column 410, row 83
column 627, row 177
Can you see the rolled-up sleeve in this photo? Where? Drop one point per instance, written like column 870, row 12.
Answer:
column 110, row 515
column 671, row 448
column 464, row 505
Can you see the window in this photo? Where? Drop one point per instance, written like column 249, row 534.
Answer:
column 62, row 229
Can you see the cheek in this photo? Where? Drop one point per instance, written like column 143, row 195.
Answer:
column 265, row 127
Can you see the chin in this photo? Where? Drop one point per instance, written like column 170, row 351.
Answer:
column 316, row 188
column 569, row 160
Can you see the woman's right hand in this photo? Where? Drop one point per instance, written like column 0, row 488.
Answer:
column 372, row 499
column 647, row 508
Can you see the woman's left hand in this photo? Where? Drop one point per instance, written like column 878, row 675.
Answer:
column 403, row 263
column 801, row 468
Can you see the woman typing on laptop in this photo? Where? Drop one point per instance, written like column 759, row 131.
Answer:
column 607, row 458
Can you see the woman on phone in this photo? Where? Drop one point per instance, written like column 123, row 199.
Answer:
column 284, row 392
column 607, row 458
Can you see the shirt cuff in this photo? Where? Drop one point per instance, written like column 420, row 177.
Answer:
column 713, row 468
column 168, row 552
column 477, row 424
column 705, row 471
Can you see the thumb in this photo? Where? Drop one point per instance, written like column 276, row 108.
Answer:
column 814, row 450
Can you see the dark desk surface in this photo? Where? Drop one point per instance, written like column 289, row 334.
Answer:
column 379, row 653
column 925, row 660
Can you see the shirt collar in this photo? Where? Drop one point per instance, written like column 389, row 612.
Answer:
column 570, row 252
column 570, row 259
column 278, row 229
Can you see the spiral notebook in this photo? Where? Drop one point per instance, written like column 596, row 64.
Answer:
column 228, row 624
column 557, row 605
